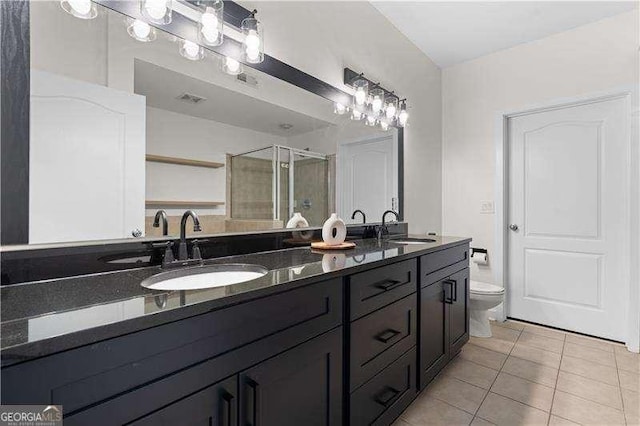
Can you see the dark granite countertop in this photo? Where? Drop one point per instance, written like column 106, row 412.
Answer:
column 44, row 317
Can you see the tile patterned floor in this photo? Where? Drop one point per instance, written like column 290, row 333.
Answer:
column 530, row 375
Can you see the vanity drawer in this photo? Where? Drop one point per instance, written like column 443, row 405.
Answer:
column 380, row 337
column 383, row 398
column 379, row 287
column 433, row 264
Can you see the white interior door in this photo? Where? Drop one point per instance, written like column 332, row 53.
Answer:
column 367, row 177
column 86, row 160
column 568, row 195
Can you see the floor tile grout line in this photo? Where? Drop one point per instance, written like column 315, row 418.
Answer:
column 624, row 411
column 555, row 387
column 496, row 378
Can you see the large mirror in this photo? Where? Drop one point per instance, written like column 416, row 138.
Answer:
column 121, row 129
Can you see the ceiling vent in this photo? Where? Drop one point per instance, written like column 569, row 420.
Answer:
column 191, row 98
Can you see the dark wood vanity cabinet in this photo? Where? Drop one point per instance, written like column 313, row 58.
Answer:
column 444, row 309
column 352, row 350
column 302, row 386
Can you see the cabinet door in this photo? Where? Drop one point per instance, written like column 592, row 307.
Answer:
column 458, row 311
column 302, row 386
column 213, row 406
column 434, row 331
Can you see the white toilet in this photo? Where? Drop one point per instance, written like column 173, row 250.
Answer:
column 483, row 296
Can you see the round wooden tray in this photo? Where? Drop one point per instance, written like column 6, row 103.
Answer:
column 321, row 245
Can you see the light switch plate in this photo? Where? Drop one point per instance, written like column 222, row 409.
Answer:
column 487, row 207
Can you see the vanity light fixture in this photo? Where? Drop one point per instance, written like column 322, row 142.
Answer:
column 381, row 106
column 231, row 66
column 356, row 115
column 83, row 9
column 390, row 106
column 191, row 50
column 210, row 27
column 340, row 109
column 253, row 41
column 377, row 99
column 140, row 30
column 156, row 11
column 361, row 87
column 403, row 116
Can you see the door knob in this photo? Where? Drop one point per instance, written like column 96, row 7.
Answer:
column 513, row 227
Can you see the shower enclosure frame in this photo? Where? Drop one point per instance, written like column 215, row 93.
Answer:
column 277, row 176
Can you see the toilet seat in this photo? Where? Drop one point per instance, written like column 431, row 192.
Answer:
column 478, row 287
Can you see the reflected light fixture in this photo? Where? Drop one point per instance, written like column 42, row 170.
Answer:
column 191, row 50
column 340, row 109
column 156, row 11
column 370, row 120
column 356, row 115
column 253, row 41
column 361, row 87
column 391, row 106
column 140, row 30
column 231, row 66
column 403, row 116
column 210, row 27
column 384, row 125
column 83, row 9
column 377, row 99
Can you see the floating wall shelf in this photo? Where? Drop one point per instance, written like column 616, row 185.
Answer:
column 183, row 161
column 170, row 203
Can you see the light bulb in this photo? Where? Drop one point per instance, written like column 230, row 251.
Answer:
column 252, row 41
column 191, row 50
column 360, row 96
column 391, row 111
column 141, row 29
column 376, row 104
column 403, row 117
column 339, row 108
column 81, row 7
column 209, row 23
column 252, row 54
column 232, row 65
column 156, row 9
column 210, row 33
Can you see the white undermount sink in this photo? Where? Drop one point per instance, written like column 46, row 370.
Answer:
column 202, row 277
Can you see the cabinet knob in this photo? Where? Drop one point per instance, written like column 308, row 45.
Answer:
column 136, row 233
column 513, row 227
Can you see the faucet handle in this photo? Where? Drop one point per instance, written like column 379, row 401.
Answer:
column 196, row 254
column 168, row 253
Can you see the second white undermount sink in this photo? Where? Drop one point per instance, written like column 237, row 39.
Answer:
column 203, row 277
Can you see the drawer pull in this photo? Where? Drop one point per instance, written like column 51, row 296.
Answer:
column 454, row 289
column 385, row 397
column 227, row 404
column 448, row 295
column 387, row 335
column 388, row 284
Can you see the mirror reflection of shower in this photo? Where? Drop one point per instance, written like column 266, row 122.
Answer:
column 275, row 182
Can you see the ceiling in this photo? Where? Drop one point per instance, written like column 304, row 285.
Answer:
column 162, row 87
column 454, row 32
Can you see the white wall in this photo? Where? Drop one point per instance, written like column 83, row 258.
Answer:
column 588, row 59
column 321, row 38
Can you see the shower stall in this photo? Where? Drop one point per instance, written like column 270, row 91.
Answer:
column 277, row 181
